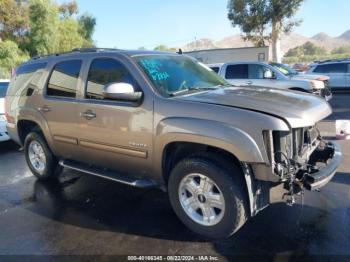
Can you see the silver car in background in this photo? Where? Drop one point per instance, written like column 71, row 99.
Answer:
column 275, row 75
column 337, row 70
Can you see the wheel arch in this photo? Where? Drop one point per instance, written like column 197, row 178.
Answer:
column 28, row 120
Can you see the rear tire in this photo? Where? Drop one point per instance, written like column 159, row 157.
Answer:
column 225, row 216
column 39, row 157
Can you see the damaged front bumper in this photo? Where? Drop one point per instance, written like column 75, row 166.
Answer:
column 323, row 164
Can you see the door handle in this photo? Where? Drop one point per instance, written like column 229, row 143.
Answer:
column 44, row 109
column 88, row 114
column 249, row 82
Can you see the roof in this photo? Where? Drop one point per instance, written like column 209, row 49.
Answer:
column 101, row 50
column 340, row 60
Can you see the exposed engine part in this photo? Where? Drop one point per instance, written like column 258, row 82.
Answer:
column 297, row 158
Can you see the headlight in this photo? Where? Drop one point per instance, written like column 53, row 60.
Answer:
column 315, row 84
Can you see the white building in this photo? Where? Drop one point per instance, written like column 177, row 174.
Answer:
column 224, row 55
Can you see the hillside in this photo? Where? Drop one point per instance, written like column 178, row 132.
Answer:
column 288, row 41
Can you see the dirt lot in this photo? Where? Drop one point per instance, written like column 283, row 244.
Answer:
column 81, row 214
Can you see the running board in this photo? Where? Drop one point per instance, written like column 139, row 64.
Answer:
column 107, row 174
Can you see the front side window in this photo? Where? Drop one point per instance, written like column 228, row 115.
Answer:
column 64, row 79
column 104, row 71
column 258, row 71
column 237, row 72
column 175, row 74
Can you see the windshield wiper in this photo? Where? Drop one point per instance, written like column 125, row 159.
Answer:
column 184, row 91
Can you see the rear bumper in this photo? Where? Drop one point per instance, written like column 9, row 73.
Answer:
column 330, row 157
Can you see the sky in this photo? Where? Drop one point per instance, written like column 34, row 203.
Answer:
column 130, row 24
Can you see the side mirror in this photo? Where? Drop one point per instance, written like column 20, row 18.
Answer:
column 268, row 75
column 122, row 92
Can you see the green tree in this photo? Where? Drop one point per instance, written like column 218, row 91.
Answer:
column 341, row 50
column 87, row 25
column 68, row 9
column 54, row 29
column 11, row 55
column 68, row 36
column 264, row 20
column 13, row 20
column 307, row 49
column 165, row 48
column 43, row 23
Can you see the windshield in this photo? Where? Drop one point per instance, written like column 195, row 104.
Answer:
column 284, row 69
column 3, row 88
column 176, row 75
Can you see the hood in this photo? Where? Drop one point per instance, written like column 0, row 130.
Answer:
column 309, row 77
column 297, row 108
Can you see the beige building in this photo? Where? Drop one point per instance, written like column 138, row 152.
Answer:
column 224, row 55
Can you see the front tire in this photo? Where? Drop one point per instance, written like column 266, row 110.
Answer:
column 208, row 196
column 39, row 157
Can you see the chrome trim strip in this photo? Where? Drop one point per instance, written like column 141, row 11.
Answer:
column 68, row 140
column 113, row 149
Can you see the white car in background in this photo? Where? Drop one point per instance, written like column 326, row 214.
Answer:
column 3, row 131
column 274, row 75
column 337, row 70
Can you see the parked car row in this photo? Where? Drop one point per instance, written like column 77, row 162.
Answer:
column 273, row 75
column 154, row 119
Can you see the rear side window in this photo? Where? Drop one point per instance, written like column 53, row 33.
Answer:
column 64, row 79
column 331, row 68
column 236, row 72
column 104, row 71
column 3, row 88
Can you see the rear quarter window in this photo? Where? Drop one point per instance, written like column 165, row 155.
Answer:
column 23, row 77
column 331, row 68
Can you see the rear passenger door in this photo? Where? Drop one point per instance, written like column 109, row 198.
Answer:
column 237, row 74
column 59, row 107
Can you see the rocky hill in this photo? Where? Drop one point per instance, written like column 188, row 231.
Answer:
column 288, row 41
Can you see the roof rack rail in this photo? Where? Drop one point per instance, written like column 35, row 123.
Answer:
column 93, row 49
column 333, row 60
column 80, row 50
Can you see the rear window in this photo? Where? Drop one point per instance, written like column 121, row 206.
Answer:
column 3, row 88
column 331, row 68
column 237, row 72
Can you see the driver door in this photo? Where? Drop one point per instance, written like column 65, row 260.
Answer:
column 114, row 134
